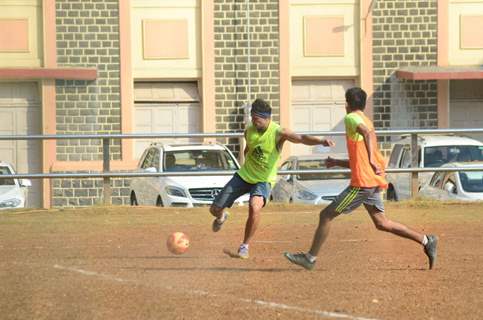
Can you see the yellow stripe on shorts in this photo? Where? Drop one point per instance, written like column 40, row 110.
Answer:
column 347, row 200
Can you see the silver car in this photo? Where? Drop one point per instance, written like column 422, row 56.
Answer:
column 461, row 186
column 319, row 188
column 433, row 152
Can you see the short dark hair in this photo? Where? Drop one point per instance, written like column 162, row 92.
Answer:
column 356, row 98
column 261, row 106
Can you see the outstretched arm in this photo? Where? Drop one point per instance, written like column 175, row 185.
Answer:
column 331, row 162
column 287, row 135
column 369, row 138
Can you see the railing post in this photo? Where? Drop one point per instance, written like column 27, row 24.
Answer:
column 241, row 155
column 106, row 167
column 414, row 164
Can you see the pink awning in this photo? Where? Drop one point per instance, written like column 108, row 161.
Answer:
column 440, row 73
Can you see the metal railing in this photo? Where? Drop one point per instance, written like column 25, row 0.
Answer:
column 106, row 175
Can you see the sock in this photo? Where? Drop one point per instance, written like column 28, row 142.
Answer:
column 425, row 240
column 222, row 219
column 244, row 245
column 310, row 257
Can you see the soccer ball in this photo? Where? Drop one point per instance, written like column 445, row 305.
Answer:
column 178, row 243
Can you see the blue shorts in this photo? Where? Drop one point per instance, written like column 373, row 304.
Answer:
column 237, row 187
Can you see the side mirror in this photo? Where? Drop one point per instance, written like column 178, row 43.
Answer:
column 151, row 170
column 25, row 183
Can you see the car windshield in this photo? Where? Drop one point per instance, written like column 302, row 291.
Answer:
column 315, row 165
column 437, row 156
column 6, row 182
column 198, row 160
column 472, row 181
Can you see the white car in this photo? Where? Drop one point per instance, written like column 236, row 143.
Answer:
column 461, row 186
column 433, row 152
column 12, row 191
column 186, row 190
column 318, row 188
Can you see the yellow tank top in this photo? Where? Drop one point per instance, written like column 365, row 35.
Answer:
column 262, row 157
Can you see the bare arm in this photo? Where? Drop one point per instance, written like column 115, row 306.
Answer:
column 331, row 162
column 369, row 142
column 287, row 135
column 245, row 151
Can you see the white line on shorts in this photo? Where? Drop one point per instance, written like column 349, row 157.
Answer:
column 267, row 304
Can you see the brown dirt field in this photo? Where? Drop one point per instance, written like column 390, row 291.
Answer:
column 112, row 263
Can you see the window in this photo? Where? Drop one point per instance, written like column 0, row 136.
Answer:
column 396, row 151
column 471, row 181
column 156, row 159
column 437, row 156
column 318, row 164
column 405, row 158
column 286, row 166
column 6, row 182
column 437, row 179
column 149, row 159
column 198, row 160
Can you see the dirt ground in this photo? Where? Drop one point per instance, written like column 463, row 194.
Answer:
column 112, row 263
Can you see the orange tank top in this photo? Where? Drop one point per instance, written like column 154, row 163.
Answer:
column 362, row 174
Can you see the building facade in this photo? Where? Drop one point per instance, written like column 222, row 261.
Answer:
column 146, row 66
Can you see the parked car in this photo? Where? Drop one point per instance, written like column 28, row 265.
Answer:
column 186, row 190
column 433, row 152
column 463, row 185
column 317, row 188
column 12, row 191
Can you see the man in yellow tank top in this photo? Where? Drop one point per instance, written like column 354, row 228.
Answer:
column 264, row 141
column 367, row 179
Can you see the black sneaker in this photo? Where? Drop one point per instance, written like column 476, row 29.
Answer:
column 299, row 259
column 216, row 226
column 431, row 249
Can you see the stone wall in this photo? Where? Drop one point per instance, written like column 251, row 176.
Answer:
column 88, row 36
column 404, row 34
column 231, row 60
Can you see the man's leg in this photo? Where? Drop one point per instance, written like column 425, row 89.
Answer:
column 216, row 211
column 259, row 195
column 220, row 215
column 322, row 231
column 255, row 207
column 232, row 190
column 384, row 224
column 254, row 210
column 345, row 202
column 429, row 242
column 307, row 260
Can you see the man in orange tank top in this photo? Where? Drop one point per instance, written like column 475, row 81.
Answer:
column 367, row 179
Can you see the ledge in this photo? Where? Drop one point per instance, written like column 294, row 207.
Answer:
column 115, row 165
column 440, row 73
column 48, row 73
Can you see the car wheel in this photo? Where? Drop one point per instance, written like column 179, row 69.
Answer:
column 159, row 202
column 391, row 194
column 134, row 200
